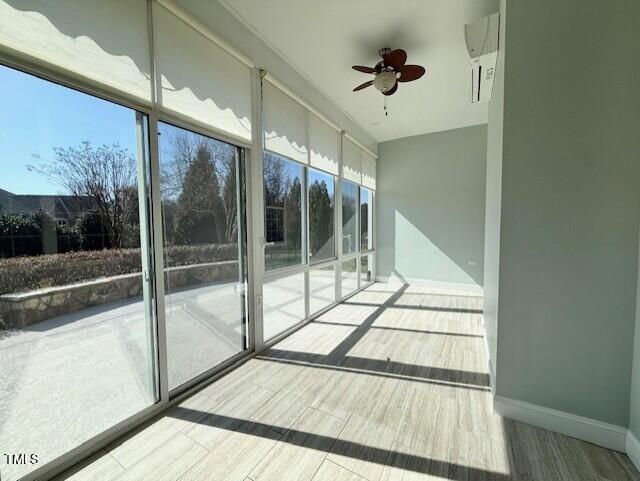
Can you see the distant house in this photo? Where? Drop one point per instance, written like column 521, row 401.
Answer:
column 65, row 209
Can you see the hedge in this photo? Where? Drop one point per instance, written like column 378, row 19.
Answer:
column 22, row 274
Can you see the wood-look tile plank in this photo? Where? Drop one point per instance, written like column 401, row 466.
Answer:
column 236, row 455
column 330, row 471
column 282, row 410
column 101, row 466
column 150, row 437
column 368, row 437
column 167, row 463
column 210, row 430
column 307, row 442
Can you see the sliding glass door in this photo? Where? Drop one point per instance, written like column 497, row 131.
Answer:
column 77, row 343
column 202, row 191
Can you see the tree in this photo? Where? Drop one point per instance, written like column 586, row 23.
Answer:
column 320, row 218
column 91, row 227
column 229, row 199
column 218, row 181
column 199, row 217
column 20, row 234
column 105, row 176
column 274, row 180
column 349, row 209
column 364, row 226
column 292, row 209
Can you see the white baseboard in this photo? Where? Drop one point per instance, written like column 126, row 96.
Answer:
column 487, row 353
column 468, row 289
column 603, row 434
column 633, row 449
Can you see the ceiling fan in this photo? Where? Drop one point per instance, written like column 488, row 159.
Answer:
column 389, row 71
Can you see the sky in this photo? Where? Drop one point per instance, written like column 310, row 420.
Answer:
column 37, row 115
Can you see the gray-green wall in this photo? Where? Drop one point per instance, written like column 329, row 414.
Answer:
column 430, row 206
column 570, row 205
column 634, row 415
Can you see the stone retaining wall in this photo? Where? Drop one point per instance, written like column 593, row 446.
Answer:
column 20, row 310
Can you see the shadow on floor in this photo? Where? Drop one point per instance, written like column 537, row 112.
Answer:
column 339, row 359
column 396, row 459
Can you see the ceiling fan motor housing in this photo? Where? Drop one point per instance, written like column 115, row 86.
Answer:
column 384, row 81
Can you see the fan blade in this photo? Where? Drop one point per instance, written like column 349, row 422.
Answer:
column 364, row 85
column 395, row 59
column 392, row 90
column 411, row 72
column 363, row 69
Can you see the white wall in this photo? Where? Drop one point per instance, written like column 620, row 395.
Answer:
column 431, row 201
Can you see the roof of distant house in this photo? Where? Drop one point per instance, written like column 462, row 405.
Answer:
column 58, row 206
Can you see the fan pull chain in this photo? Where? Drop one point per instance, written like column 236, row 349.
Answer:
column 386, row 112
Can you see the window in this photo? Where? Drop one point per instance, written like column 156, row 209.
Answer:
column 284, row 304
column 366, row 264
column 349, row 276
column 283, row 185
column 322, row 288
column 203, row 214
column 76, row 339
column 366, row 219
column 349, row 217
column 274, row 219
column 321, row 219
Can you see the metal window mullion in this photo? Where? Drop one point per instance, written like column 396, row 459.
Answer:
column 338, row 225
column 146, row 245
column 306, row 240
column 358, row 234
column 255, row 204
column 305, row 215
column 374, row 235
column 243, row 257
column 156, row 215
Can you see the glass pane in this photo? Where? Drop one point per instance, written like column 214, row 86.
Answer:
column 366, row 267
column 366, row 219
column 283, row 305
column 349, row 217
column 349, row 276
column 283, row 211
column 322, row 288
column 321, row 207
column 203, row 219
column 76, row 346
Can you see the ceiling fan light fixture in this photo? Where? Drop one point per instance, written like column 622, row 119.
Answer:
column 389, row 72
column 385, row 81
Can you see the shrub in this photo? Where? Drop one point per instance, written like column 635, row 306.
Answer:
column 21, row 274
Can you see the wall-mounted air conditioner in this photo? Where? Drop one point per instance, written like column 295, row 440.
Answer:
column 481, row 38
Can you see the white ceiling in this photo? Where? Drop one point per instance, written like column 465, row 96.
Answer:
column 322, row 39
